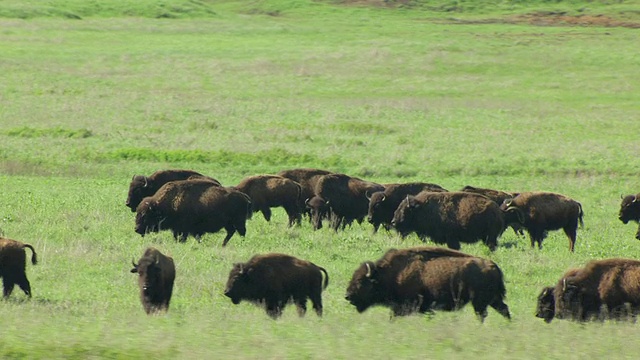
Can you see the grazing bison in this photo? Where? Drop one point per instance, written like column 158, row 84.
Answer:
column 273, row 280
column 307, row 178
column 13, row 265
column 544, row 211
column 382, row 204
column 424, row 279
column 267, row 191
column 608, row 288
column 143, row 186
column 194, row 207
column 630, row 210
column 156, row 275
column 451, row 218
column 346, row 198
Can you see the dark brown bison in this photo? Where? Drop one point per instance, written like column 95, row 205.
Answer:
column 499, row 197
column 273, row 280
column 630, row 210
column 425, row 279
column 143, row 186
column 13, row 265
column 267, row 191
column 156, row 275
column 544, row 211
column 345, row 197
column 603, row 289
column 382, row 204
column 307, row 178
column 452, row 218
column 194, row 207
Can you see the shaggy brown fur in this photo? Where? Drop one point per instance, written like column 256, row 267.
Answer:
column 267, row 191
column 498, row 196
column 544, row 211
column 156, row 276
column 426, row 279
column 346, row 197
column 546, row 308
column 13, row 265
column 307, row 178
column 382, row 204
column 273, row 280
column 194, row 207
column 143, row 186
column 450, row 218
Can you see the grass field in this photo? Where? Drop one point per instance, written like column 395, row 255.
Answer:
column 455, row 93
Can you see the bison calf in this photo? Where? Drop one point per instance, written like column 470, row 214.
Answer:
column 156, row 275
column 13, row 264
column 273, row 280
column 424, row 279
column 630, row 211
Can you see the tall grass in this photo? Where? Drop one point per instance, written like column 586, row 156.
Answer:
column 244, row 88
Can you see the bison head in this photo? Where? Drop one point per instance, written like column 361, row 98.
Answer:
column 149, row 277
column 546, row 305
column 148, row 217
column 378, row 211
column 138, row 190
column 404, row 216
column 318, row 209
column 363, row 288
column 238, row 283
column 629, row 209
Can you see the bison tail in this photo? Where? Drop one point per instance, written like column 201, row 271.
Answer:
column 326, row 277
column 34, row 257
column 580, row 215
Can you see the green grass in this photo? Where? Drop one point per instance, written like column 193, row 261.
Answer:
column 391, row 93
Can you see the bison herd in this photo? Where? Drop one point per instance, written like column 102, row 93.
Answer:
column 421, row 279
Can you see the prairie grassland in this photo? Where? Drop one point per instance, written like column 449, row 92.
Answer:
column 387, row 96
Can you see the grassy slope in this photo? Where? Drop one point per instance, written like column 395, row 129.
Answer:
column 381, row 94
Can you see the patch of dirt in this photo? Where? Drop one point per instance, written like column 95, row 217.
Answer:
column 563, row 19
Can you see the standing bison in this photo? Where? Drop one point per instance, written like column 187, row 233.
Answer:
column 307, row 178
column 424, row 279
column 143, row 186
column 452, row 218
column 194, row 207
column 544, row 211
column 382, row 204
column 608, row 288
column 344, row 196
column 13, row 265
column 267, row 191
column 630, row 210
column 273, row 280
column 156, row 276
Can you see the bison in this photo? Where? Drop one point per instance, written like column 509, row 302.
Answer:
column 382, row 204
column 452, row 218
column 267, row 191
column 156, row 276
column 194, row 207
column 143, row 186
column 544, row 211
column 345, row 197
column 630, row 210
column 499, row 197
column 424, row 279
column 13, row 265
column 608, row 288
column 273, row 280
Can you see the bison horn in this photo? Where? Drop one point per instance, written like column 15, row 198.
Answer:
column 383, row 197
column 368, row 270
column 133, row 263
column 634, row 198
column 241, row 269
column 306, row 202
column 145, row 181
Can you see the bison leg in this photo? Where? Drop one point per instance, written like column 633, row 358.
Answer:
column 301, row 305
column 230, row 231
column 266, row 212
column 8, row 284
column 571, row 234
column 453, row 243
column 502, row 308
column 274, row 310
column 316, row 300
column 24, row 285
